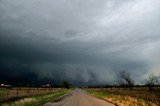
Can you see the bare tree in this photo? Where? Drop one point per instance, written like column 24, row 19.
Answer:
column 121, row 83
column 151, row 82
column 126, row 79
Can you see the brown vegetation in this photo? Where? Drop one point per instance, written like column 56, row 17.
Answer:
column 139, row 96
column 21, row 92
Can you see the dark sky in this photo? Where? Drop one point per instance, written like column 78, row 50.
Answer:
column 83, row 41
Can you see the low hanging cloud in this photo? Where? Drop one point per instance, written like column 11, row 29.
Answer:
column 81, row 41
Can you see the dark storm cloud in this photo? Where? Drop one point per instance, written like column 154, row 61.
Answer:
column 81, row 41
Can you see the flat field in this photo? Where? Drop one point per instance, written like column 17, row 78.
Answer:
column 140, row 96
column 29, row 96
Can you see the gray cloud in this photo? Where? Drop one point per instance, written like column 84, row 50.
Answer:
column 81, row 41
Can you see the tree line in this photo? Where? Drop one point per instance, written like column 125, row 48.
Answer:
column 125, row 80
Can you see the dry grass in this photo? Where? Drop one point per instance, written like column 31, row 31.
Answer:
column 140, row 96
column 21, row 102
column 37, row 100
column 16, row 93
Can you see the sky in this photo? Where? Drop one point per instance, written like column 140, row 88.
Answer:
column 82, row 41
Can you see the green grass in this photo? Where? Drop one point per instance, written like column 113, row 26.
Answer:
column 99, row 94
column 37, row 100
column 43, row 99
column 2, row 93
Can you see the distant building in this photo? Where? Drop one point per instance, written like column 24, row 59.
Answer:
column 46, row 86
column 5, row 86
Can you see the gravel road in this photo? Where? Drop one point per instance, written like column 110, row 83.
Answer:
column 79, row 98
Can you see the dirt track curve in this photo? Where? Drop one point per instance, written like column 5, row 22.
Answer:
column 79, row 98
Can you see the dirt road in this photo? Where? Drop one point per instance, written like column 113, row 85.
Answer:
column 79, row 98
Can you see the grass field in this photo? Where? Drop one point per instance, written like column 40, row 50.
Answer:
column 30, row 96
column 2, row 94
column 140, row 96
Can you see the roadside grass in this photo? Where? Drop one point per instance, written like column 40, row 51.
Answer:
column 121, row 100
column 38, row 100
column 99, row 94
column 17, row 93
column 2, row 92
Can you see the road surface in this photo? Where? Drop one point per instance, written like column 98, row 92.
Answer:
column 79, row 98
